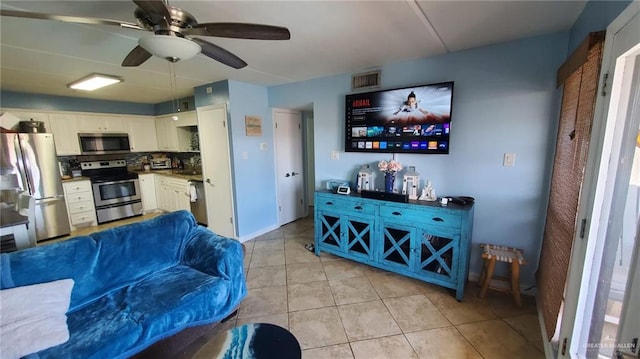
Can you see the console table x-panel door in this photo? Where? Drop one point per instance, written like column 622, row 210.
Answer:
column 419, row 240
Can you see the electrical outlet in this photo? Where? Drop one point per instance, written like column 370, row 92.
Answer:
column 245, row 155
column 209, row 89
column 509, row 160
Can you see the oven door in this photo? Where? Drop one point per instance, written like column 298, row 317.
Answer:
column 114, row 192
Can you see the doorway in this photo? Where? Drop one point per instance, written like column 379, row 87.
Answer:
column 290, row 172
column 601, row 318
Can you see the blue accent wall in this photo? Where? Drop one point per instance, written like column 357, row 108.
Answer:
column 63, row 103
column 255, row 176
column 182, row 104
column 505, row 100
column 596, row 16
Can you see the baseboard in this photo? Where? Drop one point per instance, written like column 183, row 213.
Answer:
column 253, row 235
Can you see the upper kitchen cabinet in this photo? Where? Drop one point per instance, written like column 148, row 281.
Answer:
column 141, row 134
column 100, row 123
column 65, row 133
column 11, row 122
column 175, row 135
column 186, row 119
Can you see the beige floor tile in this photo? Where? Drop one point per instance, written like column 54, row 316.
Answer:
column 342, row 269
column 496, row 339
column 300, row 255
column 296, row 242
column 310, row 295
column 470, row 310
column 504, row 306
column 389, row 285
column 248, row 247
column 415, row 313
column 264, row 301
column 328, row 257
column 442, row 343
column 367, row 320
column 267, row 258
column 260, row 277
column 275, row 234
column 528, row 326
column 247, row 261
column 268, row 245
column 393, row 347
column 277, row 319
column 317, row 327
column 352, row 290
column 305, row 272
column 340, row 351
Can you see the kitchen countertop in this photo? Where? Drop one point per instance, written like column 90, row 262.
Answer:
column 73, row 179
column 182, row 174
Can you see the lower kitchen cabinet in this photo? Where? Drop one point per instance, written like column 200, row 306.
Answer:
column 419, row 239
column 172, row 194
column 148, row 192
column 80, row 207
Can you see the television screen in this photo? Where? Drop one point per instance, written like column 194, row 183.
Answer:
column 406, row 120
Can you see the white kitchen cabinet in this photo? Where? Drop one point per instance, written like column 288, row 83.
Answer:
column 65, row 133
column 100, row 123
column 148, row 192
column 142, row 134
column 172, row 194
column 80, row 207
column 166, row 134
column 9, row 122
column 186, row 119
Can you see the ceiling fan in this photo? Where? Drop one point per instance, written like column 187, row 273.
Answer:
column 173, row 30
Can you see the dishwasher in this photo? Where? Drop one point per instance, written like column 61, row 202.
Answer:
column 199, row 206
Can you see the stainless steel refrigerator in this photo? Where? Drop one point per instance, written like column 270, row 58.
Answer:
column 29, row 161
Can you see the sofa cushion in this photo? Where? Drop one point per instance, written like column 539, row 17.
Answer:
column 105, row 260
column 129, row 319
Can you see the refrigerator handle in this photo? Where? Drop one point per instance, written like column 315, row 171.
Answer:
column 26, row 156
column 24, row 181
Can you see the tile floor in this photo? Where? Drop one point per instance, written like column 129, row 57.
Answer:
column 342, row 309
column 339, row 309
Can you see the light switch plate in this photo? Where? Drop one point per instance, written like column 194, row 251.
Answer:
column 509, row 160
column 335, row 155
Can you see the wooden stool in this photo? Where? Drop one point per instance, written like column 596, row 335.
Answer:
column 492, row 253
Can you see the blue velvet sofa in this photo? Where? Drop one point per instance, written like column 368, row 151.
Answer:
column 135, row 284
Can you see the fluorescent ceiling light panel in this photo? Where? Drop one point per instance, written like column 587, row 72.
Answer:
column 94, row 82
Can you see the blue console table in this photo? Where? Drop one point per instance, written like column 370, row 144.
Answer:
column 419, row 239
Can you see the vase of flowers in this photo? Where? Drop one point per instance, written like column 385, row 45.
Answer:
column 389, row 168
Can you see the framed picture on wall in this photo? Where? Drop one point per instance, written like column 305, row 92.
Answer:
column 253, row 125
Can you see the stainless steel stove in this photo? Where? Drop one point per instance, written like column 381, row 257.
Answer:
column 116, row 191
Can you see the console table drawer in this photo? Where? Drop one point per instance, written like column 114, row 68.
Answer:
column 345, row 205
column 421, row 216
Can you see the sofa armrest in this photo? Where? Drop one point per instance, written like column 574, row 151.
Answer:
column 215, row 255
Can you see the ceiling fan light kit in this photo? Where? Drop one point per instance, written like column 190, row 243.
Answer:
column 94, row 82
column 171, row 48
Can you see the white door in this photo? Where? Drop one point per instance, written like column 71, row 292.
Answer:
column 216, row 169
column 289, row 165
column 600, row 318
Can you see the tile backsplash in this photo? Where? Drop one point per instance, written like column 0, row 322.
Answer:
column 136, row 160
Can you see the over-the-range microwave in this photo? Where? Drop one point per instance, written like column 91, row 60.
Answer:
column 103, row 143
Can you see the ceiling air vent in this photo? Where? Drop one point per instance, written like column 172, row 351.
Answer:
column 365, row 80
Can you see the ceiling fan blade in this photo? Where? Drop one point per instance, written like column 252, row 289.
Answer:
column 219, row 54
column 157, row 7
column 136, row 57
column 238, row 30
column 72, row 19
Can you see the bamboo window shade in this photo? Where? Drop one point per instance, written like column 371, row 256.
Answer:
column 579, row 75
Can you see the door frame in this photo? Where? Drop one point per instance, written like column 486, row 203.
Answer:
column 584, row 267
column 275, row 158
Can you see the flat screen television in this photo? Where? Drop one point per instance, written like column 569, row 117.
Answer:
column 405, row 120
